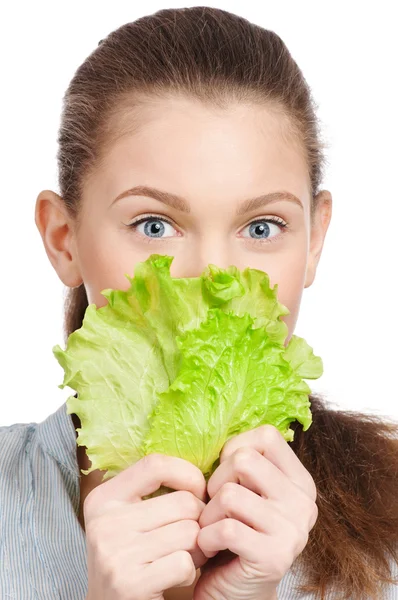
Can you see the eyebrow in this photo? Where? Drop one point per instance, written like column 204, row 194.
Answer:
column 179, row 203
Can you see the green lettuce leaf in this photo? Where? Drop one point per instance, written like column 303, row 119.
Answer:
column 233, row 378
column 180, row 365
column 247, row 292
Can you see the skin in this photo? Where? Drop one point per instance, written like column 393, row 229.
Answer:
column 215, row 159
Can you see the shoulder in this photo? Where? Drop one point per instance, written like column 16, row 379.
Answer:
column 15, row 473
column 16, row 431
column 14, row 440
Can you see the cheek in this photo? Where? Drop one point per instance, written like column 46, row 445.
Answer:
column 290, row 277
column 105, row 258
column 291, row 319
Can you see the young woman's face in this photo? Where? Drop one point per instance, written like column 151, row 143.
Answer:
column 209, row 166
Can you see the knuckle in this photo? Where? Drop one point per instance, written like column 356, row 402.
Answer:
column 99, row 529
column 227, row 495
column 269, row 434
column 117, row 581
column 312, row 489
column 105, row 558
column 228, row 531
column 153, row 461
column 89, row 503
column 93, row 531
column 309, row 487
column 191, row 529
column 299, row 536
column 302, row 539
column 185, row 563
column 314, row 516
column 242, row 459
column 310, row 509
column 188, row 501
column 110, row 564
column 100, row 534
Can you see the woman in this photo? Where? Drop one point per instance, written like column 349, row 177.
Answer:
column 193, row 133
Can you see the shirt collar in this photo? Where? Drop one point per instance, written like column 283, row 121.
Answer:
column 57, row 436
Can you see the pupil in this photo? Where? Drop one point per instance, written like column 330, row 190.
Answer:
column 259, row 230
column 154, row 228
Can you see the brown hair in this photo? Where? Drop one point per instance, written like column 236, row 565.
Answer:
column 215, row 56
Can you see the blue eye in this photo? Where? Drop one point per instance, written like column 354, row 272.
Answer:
column 262, row 228
column 153, row 227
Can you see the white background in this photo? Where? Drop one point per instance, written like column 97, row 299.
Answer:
column 348, row 54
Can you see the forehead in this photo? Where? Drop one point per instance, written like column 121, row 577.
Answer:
column 179, row 143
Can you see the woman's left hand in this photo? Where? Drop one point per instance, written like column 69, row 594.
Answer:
column 262, row 507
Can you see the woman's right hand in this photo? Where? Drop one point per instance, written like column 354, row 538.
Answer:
column 137, row 549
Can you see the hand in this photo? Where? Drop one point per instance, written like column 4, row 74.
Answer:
column 262, row 507
column 136, row 549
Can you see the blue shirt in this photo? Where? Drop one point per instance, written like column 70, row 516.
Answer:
column 42, row 545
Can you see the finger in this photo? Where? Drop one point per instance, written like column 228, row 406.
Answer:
column 236, row 502
column 144, row 478
column 269, row 442
column 252, row 470
column 172, row 507
column 168, row 539
column 142, row 517
column 173, row 570
column 146, row 547
column 235, row 536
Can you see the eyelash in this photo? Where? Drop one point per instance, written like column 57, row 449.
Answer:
column 276, row 220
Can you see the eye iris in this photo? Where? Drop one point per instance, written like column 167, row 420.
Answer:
column 259, row 230
column 154, row 228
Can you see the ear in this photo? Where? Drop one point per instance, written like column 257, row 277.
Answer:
column 56, row 228
column 319, row 227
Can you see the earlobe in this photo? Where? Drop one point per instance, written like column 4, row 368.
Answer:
column 310, row 274
column 56, row 230
column 320, row 225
